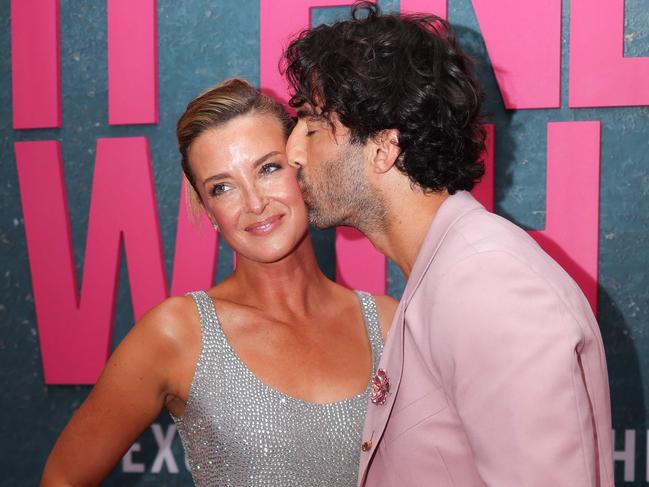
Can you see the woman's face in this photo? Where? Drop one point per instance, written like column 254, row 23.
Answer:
column 247, row 187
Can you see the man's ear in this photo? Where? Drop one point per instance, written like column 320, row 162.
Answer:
column 385, row 150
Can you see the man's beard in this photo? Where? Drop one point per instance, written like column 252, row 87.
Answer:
column 342, row 195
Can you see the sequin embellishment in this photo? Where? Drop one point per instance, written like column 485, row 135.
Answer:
column 237, row 431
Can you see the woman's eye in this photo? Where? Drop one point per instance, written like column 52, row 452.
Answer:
column 309, row 133
column 218, row 189
column 270, row 167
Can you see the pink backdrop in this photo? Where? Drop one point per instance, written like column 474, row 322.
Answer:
column 522, row 39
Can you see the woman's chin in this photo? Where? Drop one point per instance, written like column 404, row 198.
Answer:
column 272, row 250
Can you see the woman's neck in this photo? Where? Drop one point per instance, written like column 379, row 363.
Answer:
column 293, row 285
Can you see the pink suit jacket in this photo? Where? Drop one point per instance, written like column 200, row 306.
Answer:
column 496, row 367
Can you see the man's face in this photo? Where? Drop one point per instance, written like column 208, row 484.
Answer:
column 330, row 171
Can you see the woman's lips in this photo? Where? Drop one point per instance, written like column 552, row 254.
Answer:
column 265, row 226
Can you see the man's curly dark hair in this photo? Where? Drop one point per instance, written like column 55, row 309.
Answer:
column 408, row 73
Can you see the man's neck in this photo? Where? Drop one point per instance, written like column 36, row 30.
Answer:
column 410, row 214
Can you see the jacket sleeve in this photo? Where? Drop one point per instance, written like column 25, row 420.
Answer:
column 507, row 347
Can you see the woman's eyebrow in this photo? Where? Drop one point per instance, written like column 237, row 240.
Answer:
column 256, row 164
column 221, row 175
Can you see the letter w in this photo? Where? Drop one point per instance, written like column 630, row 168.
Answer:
column 75, row 328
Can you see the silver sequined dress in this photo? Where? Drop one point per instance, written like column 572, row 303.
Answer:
column 237, row 431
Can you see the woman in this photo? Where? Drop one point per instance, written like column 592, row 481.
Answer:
column 266, row 374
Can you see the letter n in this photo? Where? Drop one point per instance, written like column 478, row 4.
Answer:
column 524, row 44
column 278, row 21
column 600, row 75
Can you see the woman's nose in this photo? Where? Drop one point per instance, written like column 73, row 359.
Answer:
column 256, row 201
column 296, row 146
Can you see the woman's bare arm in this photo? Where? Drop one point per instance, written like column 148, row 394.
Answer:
column 145, row 368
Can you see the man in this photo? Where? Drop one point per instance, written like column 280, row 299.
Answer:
column 494, row 371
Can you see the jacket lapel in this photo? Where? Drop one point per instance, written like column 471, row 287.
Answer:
column 453, row 208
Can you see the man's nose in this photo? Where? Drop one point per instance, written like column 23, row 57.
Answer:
column 296, row 146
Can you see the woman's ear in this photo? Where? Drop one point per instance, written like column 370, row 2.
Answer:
column 385, row 150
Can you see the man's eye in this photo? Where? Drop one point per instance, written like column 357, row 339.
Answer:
column 270, row 167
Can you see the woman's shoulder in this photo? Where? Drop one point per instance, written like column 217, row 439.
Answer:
column 173, row 323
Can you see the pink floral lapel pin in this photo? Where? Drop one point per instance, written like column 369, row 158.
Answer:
column 380, row 388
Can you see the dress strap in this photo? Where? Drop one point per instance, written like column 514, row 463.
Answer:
column 211, row 333
column 371, row 318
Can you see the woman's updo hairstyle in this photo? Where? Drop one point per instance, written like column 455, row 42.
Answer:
column 219, row 105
